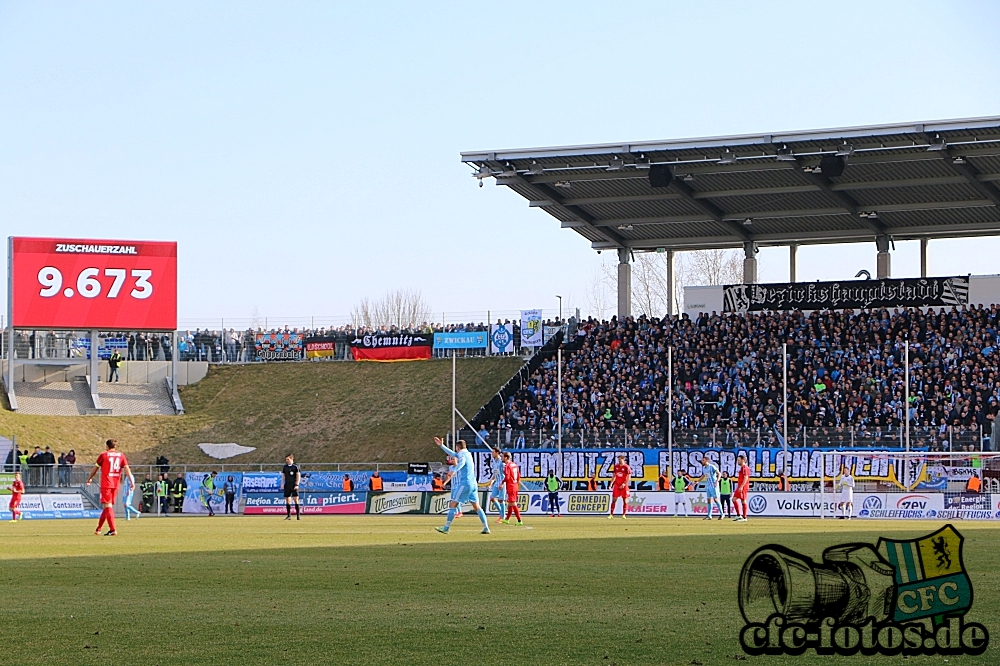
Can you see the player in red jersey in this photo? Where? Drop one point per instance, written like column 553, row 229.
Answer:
column 112, row 464
column 16, row 490
column 619, row 486
column 512, row 484
column 742, row 488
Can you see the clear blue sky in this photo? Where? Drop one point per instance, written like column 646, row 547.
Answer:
column 306, row 155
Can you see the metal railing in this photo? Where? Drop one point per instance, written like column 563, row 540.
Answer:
column 933, row 439
column 75, row 476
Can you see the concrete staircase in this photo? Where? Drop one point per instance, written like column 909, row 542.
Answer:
column 137, row 399
column 73, row 399
column 53, row 398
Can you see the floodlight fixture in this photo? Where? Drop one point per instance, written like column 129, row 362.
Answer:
column 783, row 154
column 845, row 150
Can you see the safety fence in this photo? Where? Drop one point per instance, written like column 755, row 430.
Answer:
column 948, row 439
column 260, row 343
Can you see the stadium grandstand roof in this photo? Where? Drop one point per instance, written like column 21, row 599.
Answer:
column 936, row 179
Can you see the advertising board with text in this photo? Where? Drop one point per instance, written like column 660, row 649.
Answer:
column 93, row 284
column 311, row 503
column 534, row 503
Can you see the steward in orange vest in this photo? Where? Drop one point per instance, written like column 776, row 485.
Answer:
column 375, row 483
column 348, row 484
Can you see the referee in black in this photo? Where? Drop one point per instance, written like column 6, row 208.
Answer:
column 290, row 478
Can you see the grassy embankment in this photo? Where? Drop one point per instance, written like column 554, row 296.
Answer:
column 334, row 412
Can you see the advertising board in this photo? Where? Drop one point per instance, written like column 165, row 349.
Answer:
column 437, row 503
column 311, row 503
column 915, row 505
column 93, row 284
column 570, row 503
column 404, row 502
column 49, row 506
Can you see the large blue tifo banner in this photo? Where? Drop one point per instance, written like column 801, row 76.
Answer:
column 460, row 340
column 317, row 482
column 199, row 496
column 798, row 465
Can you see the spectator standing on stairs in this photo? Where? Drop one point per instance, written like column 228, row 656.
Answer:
column 113, row 363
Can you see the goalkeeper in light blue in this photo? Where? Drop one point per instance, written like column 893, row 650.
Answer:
column 464, row 485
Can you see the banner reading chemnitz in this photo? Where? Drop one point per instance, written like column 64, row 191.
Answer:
column 853, row 294
column 392, row 347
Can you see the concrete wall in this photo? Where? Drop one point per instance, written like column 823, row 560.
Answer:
column 131, row 372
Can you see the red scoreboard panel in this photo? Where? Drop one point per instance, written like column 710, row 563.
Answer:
column 93, row 284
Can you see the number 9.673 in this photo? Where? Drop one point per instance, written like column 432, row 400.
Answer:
column 89, row 285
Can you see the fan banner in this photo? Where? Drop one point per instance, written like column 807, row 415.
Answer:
column 93, row 284
column 392, row 347
column 853, row 294
column 801, row 467
column 531, row 328
column 460, row 340
column 320, row 347
column 278, row 346
column 502, row 339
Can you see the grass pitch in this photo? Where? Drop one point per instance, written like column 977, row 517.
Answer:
column 389, row 590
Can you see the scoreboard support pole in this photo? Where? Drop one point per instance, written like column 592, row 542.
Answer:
column 95, row 341
column 9, row 380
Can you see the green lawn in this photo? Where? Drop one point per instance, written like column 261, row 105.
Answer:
column 384, row 590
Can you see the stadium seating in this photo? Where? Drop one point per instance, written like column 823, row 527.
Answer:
column 845, row 380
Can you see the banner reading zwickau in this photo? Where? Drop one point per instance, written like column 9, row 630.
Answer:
column 531, row 328
column 392, row 347
column 460, row 340
column 853, row 294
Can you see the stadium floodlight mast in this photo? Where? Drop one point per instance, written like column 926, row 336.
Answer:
column 560, row 308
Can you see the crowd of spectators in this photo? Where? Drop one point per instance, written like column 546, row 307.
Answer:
column 845, row 377
column 41, row 468
column 216, row 346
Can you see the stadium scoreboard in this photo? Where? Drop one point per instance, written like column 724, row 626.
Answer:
column 73, row 284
